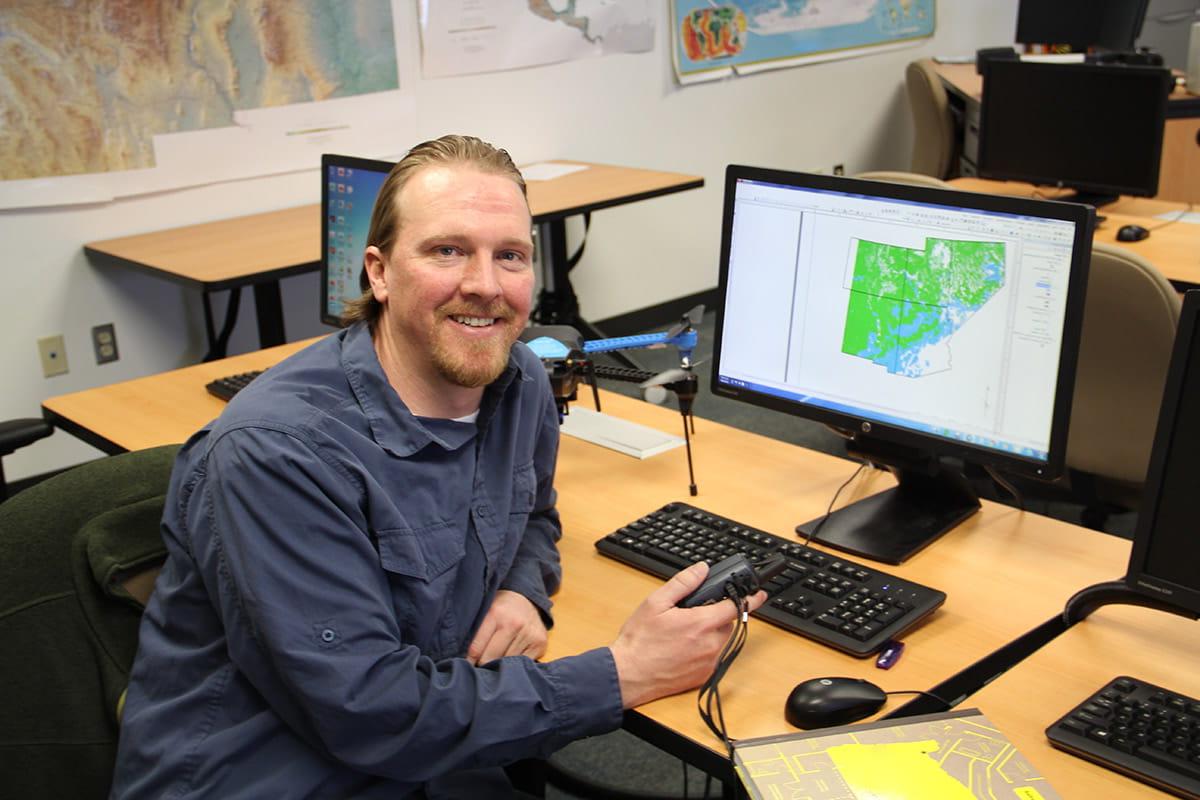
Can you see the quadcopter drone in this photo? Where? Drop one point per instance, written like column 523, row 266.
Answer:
column 567, row 359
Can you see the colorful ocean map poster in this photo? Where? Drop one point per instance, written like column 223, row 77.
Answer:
column 717, row 38
column 105, row 99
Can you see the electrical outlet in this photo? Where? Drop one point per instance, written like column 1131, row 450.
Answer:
column 104, row 342
column 53, row 350
column 839, row 169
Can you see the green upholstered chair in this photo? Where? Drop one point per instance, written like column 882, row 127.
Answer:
column 78, row 557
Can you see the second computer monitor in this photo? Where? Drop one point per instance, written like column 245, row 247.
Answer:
column 1080, row 24
column 921, row 323
column 1090, row 127
column 348, row 189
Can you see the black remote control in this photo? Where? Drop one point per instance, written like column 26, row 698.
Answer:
column 737, row 573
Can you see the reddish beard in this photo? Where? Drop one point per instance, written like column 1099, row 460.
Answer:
column 474, row 363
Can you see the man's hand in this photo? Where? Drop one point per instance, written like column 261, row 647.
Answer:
column 663, row 649
column 511, row 627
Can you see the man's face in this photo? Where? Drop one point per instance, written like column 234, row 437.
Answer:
column 458, row 282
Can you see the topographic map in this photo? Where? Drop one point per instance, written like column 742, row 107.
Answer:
column 459, row 37
column 954, row 756
column 716, row 37
column 85, row 87
column 905, row 304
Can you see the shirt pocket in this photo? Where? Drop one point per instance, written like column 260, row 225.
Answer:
column 421, row 553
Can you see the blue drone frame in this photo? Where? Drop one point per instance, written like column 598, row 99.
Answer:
column 567, row 358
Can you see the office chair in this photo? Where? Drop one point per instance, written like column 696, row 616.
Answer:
column 78, row 556
column 1129, row 321
column 912, row 178
column 935, row 145
column 15, row 434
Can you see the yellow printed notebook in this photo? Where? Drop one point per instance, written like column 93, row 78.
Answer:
column 956, row 755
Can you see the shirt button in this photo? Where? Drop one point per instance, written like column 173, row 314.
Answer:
column 328, row 635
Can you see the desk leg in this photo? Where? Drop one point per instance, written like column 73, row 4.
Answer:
column 268, row 305
column 557, row 303
column 218, row 344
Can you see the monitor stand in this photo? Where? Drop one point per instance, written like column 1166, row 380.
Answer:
column 894, row 524
column 1093, row 199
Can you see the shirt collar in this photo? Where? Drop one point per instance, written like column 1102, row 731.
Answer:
column 393, row 426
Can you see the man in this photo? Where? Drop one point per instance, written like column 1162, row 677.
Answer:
column 363, row 546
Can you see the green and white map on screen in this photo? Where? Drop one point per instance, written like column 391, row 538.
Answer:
column 905, row 304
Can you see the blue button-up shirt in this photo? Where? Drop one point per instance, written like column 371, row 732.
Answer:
column 329, row 558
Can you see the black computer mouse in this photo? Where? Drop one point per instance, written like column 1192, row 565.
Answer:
column 1131, row 233
column 821, row 702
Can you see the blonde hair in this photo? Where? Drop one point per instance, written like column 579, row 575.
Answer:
column 385, row 217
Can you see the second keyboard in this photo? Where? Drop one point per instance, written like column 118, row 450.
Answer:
column 836, row 601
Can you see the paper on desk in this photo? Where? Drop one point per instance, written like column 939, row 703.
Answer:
column 617, row 434
column 547, row 171
column 1191, row 216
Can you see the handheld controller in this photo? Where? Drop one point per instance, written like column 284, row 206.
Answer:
column 738, row 574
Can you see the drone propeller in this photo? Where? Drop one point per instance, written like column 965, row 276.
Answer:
column 689, row 320
column 665, row 377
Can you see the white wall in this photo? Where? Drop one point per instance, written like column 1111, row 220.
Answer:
column 623, row 109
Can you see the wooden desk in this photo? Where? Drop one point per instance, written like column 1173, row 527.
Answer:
column 260, row 249
column 996, row 592
column 1175, row 249
column 1179, row 171
column 1116, row 640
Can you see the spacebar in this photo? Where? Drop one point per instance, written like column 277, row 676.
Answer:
column 666, row 556
column 1173, row 763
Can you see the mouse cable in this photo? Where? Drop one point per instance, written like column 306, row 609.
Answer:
column 1173, row 219
column 808, row 539
column 708, row 699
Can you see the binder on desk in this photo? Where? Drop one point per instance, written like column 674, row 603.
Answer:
column 956, row 755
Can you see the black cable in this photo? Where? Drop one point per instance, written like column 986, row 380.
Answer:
column 708, row 699
column 1178, row 217
column 573, row 260
column 1009, row 487
column 808, row 539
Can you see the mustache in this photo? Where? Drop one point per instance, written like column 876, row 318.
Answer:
column 497, row 309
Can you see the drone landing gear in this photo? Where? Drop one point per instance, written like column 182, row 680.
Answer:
column 682, row 382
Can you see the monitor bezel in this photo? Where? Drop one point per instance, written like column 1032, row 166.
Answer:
column 336, row 160
column 1099, row 187
column 869, row 429
column 1027, row 17
column 1138, row 578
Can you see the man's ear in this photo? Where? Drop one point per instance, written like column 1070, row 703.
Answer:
column 373, row 263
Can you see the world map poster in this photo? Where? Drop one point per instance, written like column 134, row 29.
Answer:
column 717, row 38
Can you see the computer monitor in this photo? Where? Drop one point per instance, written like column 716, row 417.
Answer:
column 1081, row 24
column 1165, row 563
column 348, row 189
column 1095, row 128
column 926, row 325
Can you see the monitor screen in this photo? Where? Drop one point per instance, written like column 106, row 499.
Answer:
column 348, row 189
column 1097, row 128
column 921, row 322
column 1166, row 552
column 1108, row 24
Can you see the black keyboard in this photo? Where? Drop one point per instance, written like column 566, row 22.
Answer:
column 1139, row 729
column 225, row 388
column 831, row 599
